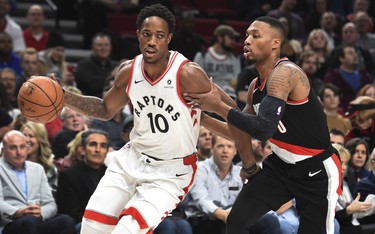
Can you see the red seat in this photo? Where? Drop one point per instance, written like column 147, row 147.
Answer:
column 206, row 26
column 239, row 26
column 124, row 24
column 219, row 8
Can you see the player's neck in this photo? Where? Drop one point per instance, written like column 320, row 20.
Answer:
column 265, row 67
column 154, row 70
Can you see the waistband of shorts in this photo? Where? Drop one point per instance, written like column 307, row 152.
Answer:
column 187, row 160
column 319, row 157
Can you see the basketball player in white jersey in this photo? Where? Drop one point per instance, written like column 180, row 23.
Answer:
column 151, row 174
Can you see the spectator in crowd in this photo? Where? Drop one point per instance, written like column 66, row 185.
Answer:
column 11, row 27
column 186, row 40
column 328, row 24
column 330, row 97
column 350, row 37
column 286, row 9
column 337, row 137
column 317, row 42
column 216, row 187
column 29, row 64
column 75, row 156
column 77, row 183
column 347, row 77
column 9, row 79
column 73, row 122
column 8, row 58
column 346, row 206
column 366, row 186
column 367, row 90
column 35, row 35
column 39, row 150
column 56, row 125
column 219, row 61
column 204, row 145
column 27, row 204
column 366, row 40
column 91, row 72
column 292, row 48
column 361, row 5
column 309, row 63
column 53, row 57
column 363, row 123
column 359, row 152
column 312, row 20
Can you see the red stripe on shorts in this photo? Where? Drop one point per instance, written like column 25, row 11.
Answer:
column 101, row 218
column 338, row 165
column 136, row 215
column 190, row 160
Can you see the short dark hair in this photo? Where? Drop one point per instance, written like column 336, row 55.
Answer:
column 88, row 132
column 275, row 24
column 157, row 10
column 337, row 132
column 330, row 86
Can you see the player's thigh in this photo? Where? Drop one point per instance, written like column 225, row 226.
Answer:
column 112, row 194
column 156, row 198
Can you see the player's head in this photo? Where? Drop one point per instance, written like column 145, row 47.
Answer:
column 155, row 27
column 265, row 35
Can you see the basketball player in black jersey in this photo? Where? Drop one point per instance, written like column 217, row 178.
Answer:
column 281, row 107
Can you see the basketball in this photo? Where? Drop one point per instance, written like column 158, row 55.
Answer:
column 40, row 99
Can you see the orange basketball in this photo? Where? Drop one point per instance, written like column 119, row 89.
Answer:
column 40, row 99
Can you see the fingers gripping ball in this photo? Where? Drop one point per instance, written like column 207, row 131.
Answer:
column 40, row 99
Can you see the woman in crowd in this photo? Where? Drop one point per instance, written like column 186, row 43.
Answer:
column 39, row 150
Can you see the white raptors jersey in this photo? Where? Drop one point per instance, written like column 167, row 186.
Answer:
column 165, row 127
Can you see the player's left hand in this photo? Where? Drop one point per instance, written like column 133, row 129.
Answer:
column 205, row 101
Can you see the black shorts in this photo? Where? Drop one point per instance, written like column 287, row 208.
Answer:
column 315, row 183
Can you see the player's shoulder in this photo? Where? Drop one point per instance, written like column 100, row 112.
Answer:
column 191, row 67
column 289, row 68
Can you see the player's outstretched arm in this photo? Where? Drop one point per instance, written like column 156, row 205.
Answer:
column 196, row 76
column 107, row 107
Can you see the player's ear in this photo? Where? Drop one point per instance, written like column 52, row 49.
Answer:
column 170, row 37
column 276, row 43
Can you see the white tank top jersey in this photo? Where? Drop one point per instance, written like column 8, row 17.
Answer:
column 165, row 127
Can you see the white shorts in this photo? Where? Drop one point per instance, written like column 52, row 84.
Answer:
column 140, row 186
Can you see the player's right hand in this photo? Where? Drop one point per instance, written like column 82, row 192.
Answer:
column 245, row 176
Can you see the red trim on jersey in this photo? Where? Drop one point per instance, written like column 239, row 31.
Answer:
column 263, row 84
column 336, row 159
column 101, row 218
column 153, row 82
column 300, row 102
column 130, row 76
column 295, row 149
column 136, row 215
column 178, row 83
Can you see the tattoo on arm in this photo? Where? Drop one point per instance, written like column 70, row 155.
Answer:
column 87, row 105
column 281, row 82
